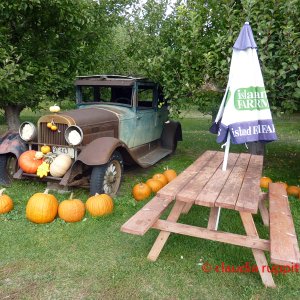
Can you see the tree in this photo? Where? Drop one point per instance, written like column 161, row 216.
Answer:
column 189, row 50
column 44, row 44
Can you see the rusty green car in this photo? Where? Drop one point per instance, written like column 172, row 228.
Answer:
column 118, row 121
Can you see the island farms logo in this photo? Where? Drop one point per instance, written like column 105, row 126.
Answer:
column 251, row 98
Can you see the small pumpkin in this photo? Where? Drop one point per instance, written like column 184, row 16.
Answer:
column 141, row 191
column 41, row 208
column 99, row 205
column 54, row 108
column 293, row 190
column 6, row 203
column 71, row 210
column 53, row 127
column 45, row 149
column 28, row 162
column 60, row 165
column 170, row 174
column 154, row 184
column 39, row 155
column 264, row 182
column 161, row 177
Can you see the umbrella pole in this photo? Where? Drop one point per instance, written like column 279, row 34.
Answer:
column 226, row 152
column 224, row 167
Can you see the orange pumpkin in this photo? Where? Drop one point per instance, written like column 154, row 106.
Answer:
column 161, row 177
column 28, row 162
column 99, row 205
column 71, row 210
column 155, row 185
column 264, row 182
column 141, row 191
column 293, row 190
column 170, row 174
column 41, row 208
column 6, row 203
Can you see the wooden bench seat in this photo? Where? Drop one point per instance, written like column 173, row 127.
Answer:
column 142, row 221
column 284, row 247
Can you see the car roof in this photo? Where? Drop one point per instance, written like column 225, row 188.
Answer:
column 117, row 80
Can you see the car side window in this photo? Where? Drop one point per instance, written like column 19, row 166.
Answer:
column 145, row 97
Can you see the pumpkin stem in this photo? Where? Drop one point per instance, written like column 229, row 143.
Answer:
column 1, row 191
column 46, row 191
column 71, row 196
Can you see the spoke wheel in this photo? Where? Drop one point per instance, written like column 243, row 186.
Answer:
column 8, row 167
column 107, row 178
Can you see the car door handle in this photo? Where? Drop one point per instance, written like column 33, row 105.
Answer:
column 138, row 117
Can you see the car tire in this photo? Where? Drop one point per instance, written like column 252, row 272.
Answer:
column 106, row 179
column 8, row 166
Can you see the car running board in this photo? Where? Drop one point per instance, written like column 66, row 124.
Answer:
column 153, row 157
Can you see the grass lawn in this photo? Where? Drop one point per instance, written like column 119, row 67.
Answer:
column 92, row 259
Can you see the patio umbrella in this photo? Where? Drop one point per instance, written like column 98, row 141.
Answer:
column 244, row 115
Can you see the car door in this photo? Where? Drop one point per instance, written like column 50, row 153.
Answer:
column 146, row 114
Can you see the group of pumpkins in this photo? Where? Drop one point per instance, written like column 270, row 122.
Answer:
column 291, row 190
column 44, row 162
column 142, row 191
column 43, row 207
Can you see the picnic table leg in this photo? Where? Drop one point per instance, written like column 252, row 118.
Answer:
column 187, row 207
column 213, row 220
column 263, row 209
column 164, row 235
column 259, row 255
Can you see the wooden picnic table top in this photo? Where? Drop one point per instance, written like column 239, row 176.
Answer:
column 205, row 183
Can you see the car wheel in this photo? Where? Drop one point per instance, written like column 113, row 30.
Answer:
column 8, row 167
column 107, row 178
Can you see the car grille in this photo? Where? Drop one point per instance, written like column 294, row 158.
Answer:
column 50, row 137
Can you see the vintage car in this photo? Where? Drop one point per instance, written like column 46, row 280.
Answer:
column 119, row 121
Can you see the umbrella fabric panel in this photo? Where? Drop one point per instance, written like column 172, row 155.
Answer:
column 246, row 113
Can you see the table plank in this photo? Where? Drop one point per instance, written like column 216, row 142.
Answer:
column 211, row 190
column 145, row 217
column 249, row 194
column 283, row 238
column 190, row 192
column 171, row 189
column 230, row 192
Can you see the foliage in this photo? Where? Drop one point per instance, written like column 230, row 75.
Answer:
column 46, row 43
column 189, row 50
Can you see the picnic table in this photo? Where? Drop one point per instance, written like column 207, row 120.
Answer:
column 204, row 183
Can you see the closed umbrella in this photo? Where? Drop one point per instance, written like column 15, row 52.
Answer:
column 244, row 115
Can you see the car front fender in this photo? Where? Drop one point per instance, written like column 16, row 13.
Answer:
column 99, row 151
column 11, row 142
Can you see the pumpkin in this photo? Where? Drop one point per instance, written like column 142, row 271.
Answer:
column 293, row 190
column 170, row 174
column 39, row 155
column 71, row 210
column 60, row 165
column 141, row 191
column 99, row 205
column 45, row 149
column 154, row 184
column 6, row 203
column 54, row 108
column 41, row 208
column 264, row 182
column 28, row 163
column 161, row 177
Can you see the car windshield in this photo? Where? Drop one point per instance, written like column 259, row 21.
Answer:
column 107, row 94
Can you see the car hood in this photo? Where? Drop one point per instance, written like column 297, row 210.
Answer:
column 90, row 116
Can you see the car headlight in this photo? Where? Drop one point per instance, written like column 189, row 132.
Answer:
column 27, row 131
column 74, row 135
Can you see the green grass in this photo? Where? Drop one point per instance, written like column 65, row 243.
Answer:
column 92, row 259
